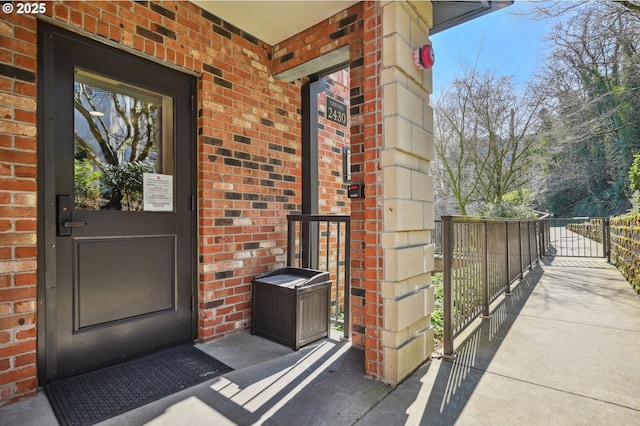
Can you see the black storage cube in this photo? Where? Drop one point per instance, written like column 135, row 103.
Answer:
column 291, row 306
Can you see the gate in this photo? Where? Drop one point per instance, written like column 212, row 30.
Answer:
column 579, row 237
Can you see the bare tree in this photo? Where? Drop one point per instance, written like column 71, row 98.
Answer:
column 484, row 135
column 542, row 9
column 116, row 137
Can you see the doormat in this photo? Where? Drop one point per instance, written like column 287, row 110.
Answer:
column 95, row 396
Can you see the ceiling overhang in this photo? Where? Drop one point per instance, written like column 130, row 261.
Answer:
column 448, row 14
column 273, row 21
column 276, row 21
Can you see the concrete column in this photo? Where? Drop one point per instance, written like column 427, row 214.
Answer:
column 407, row 199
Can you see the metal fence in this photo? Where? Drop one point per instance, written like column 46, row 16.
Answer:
column 579, row 236
column 481, row 258
column 322, row 242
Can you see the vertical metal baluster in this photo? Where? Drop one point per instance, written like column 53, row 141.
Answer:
column 459, row 272
column 482, row 264
column 290, row 241
column 520, row 247
column 564, row 242
column 597, row 228
column 300, row 249
column 455, row 273
column 584, row 242
column 606, row 238
column 471, row 264
column 479, row 263
column 490, row 261
column 484, row 258
column 576, row 242
column 465, row 276
column 338, row 270
column 529, row 239
column 573, row 246
column 327, row 263
column 447, row 265
column 327, row 246
column 474, row 278
column 347, row 281
column 507, row 263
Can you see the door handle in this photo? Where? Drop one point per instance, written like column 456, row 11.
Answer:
column 64, row 223
column 74, row 224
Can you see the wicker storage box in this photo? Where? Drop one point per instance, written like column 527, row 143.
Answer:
column 291, row 306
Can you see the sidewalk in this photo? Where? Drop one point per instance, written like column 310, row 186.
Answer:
column 563, row 349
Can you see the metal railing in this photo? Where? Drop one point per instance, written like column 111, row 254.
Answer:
column 482, row 257
column 580, row 236
column 323, row 242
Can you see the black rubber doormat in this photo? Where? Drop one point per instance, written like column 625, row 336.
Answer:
column 98, row 395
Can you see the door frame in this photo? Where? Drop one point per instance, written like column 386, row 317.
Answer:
column 46, row 229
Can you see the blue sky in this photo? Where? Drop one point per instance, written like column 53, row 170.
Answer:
column 508, row 44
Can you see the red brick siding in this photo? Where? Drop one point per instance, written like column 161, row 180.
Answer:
column 18, row 207
column 248, row 145
column 370, row 212
column 249, row 175
column 248, row 165
column 344, row 29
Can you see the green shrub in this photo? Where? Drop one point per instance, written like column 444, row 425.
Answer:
column 513, row 204
column 123, row 185
column 86, row 184
column 437, row 316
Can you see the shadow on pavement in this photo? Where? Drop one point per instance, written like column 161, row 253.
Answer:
column 437, row 393
column 322, row 384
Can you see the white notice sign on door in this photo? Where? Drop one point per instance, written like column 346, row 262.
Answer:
column 157, row 192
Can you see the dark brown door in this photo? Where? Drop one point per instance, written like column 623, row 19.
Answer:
column 118, row 185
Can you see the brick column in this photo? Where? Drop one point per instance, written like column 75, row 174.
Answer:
column 18, row 207
column 407, row 195
column 367, row 213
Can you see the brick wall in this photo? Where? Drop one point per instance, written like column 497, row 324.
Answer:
column 344, row 29
column 18, row 209
column 248, row 165
column 370, row 144
column 359, row 28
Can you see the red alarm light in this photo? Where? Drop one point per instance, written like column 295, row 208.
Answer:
column 424, row 57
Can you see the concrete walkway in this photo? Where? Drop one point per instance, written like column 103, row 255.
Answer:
column 564, row 349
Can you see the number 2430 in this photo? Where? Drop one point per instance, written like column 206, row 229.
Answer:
column 337, row 116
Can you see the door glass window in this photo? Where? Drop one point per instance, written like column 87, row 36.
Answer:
column 121, row 132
